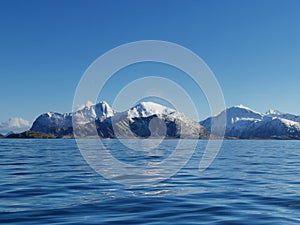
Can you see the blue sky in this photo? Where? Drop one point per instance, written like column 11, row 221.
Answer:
column 253, row 47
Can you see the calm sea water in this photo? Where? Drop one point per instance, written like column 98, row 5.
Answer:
column 250, row 182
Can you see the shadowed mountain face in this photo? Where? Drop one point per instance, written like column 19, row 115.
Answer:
column 145, row 120
column 243, row 122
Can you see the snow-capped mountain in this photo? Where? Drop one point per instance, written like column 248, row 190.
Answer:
column 52, row 122
column 146, row 119
column 288, row 116
column 89, row 113
column 61, row 124
column 243, row 122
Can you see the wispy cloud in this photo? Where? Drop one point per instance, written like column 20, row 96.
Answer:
column 88, row 104
column 14, row 125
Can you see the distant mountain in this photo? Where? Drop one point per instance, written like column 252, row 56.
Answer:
column 243, row 122
column 146, row 119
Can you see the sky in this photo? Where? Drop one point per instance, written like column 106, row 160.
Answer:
column 252, row 47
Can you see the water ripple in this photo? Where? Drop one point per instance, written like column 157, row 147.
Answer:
column 250, row 182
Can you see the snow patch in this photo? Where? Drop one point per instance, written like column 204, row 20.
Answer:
column 146, row 109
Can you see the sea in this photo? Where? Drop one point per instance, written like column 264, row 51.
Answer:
column 53, row 182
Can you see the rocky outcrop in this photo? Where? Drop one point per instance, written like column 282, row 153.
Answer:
column 30, row 134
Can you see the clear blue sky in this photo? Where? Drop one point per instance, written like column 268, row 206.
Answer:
column 253, row 47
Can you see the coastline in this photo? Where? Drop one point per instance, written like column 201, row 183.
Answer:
column 39, row 135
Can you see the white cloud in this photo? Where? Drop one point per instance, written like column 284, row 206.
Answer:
column 88, row 104
column 15, row 124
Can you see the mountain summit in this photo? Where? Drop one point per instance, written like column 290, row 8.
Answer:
column 61, row 124
column 145, row 109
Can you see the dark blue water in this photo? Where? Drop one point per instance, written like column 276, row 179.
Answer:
column 250, row 182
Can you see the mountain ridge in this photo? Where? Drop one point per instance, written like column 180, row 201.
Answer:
column 144, row 120
column 152, row 120
column 245, row 123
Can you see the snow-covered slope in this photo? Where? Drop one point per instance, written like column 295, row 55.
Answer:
column 61, row 124
column 146, row 119
column 288, row 116
column 145, row 109
column 89, row 113
column 243, row 122
column 51, row 122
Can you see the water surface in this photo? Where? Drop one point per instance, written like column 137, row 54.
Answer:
column 250, row 182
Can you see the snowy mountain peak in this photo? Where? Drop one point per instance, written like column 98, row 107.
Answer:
column 243, row 122
column 242, row 111
column 242, row 107
column 49, row 114
column 101, row 111
column 104, row 103
column 104, row 109
column 54, row 115
column 145, row 109
column 273, row 112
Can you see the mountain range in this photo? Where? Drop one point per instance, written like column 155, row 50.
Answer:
column 152, row 120
column 147, row 119
column 245, row 123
